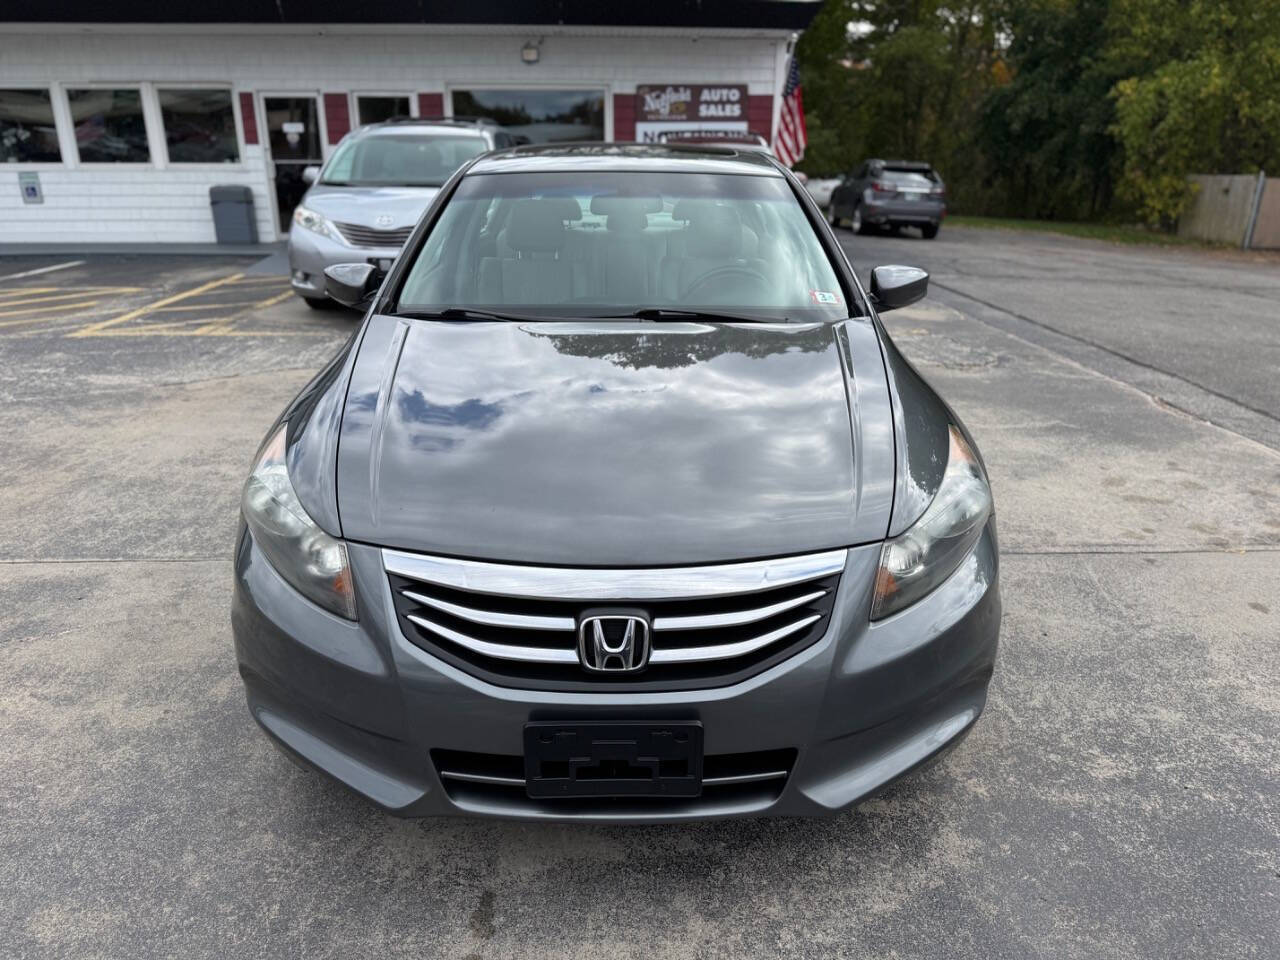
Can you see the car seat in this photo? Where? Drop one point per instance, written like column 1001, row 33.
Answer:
column 534, row 272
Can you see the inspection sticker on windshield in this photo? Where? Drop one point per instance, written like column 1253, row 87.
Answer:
column 824, row 296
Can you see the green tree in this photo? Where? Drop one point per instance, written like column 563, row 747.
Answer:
column 1202, row 95
column 902, row 78
column 830, row 120
column 1069, row 109
column 1048, row 148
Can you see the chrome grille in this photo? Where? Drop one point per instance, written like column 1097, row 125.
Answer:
column 518, row 625
column 362, row 236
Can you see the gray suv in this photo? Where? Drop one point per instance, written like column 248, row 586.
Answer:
column 892, row 194
column 365, row 201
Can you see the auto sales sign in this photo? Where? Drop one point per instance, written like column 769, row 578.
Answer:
column 687, row 106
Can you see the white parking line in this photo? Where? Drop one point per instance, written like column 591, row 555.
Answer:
column 50, row 269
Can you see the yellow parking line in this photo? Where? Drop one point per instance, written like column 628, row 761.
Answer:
column 272, row 301
column 220, row 326
column 201, row 306
column 168, row 330
column 4, row 304
column 263, row 279
column 95, row 328
column 274, row 333
column 77, row 290
column 27, row 291
column 30, row 319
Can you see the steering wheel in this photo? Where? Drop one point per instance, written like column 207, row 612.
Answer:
column 728, row 271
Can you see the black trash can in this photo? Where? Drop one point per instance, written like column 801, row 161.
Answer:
column 233, row 219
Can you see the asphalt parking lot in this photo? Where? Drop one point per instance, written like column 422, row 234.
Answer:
column 1120, row 797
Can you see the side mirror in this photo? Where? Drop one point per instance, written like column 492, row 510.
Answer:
column 895, row 286
column 310, row 174
column 352, row 284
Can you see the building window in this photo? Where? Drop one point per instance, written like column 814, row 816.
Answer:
column 376, row 109
column 199, row 126
column 27, row 131
column 540, row 116
column 109, row 126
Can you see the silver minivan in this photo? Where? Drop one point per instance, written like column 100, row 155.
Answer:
column 365, row 201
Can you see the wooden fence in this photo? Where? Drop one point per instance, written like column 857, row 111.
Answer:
column 1242, row 210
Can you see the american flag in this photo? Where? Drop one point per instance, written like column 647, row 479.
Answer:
column 789, row 144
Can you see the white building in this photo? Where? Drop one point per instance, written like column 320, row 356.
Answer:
column 113, row 132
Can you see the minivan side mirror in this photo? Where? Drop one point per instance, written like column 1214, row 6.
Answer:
column 894, row 286
column 352, row 284
column 310, row 174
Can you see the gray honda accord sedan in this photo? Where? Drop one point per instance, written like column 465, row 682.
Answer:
column 620, row 505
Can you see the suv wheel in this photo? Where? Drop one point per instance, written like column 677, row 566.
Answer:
column 855, row 221
column 831, row 216
column 930, row 230
column 318, row 303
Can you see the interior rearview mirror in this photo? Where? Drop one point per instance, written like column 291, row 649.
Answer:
column 894, row 286
column 310, row 174
column 352, row 284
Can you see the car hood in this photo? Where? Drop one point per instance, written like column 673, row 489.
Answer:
column 610, row 444
column 364, row 205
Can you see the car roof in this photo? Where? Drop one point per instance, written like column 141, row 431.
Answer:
column 669, row 157
column 442, row 127
column 919, row 165
column 713, row 136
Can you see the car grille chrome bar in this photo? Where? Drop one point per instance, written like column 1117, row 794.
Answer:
column 482, row 778
column 517, row 625
column 361, row 236
column 490, row 778
column 724, row 651
column 589, row 583
column 494, row 619
column 500, row 650
column 736, row 619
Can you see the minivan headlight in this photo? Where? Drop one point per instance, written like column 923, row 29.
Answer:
column 922, row 557
column 308, row 558
column 315, row 222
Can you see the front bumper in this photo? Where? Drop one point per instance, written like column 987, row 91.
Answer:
column 862, row 706
column 310, row 253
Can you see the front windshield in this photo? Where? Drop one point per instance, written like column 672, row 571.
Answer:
column 607, row 244
column 400, row 160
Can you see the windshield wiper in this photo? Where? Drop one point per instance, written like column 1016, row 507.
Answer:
column 647, row 313
column 668, row 313
column 466, row 313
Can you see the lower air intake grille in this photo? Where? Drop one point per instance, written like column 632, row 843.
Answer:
column 523, row 627
column 731, row 783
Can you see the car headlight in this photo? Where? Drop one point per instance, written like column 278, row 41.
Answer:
column 312, row 561
column 315, row 222
column 922, row 557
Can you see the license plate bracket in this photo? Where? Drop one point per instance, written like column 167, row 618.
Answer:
column 613, row 759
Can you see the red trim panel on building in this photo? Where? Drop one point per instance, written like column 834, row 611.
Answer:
column 248, row 119
column 337, row 115
column 760, row 115
column 624, row 116
column 431, row 104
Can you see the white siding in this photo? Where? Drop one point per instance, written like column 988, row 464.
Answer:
column 144, row 203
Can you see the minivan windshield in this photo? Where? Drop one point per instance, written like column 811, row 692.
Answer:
column 613, row 244
column 399, row 160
